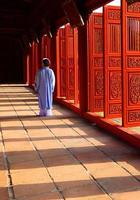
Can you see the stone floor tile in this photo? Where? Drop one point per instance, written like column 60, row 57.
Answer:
column 32, row 182
column 28, row 190
column 131, row 163
column 132, row 194
column 4, row 193
column 47, row 196
column 62, row 160
column 18, row 156
column 85, row 192
column 53, row 152
column 23, row 166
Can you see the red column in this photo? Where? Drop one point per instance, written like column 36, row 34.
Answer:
column 131, row 63
column 82, row 56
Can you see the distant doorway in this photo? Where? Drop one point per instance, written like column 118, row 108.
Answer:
column 11, row 61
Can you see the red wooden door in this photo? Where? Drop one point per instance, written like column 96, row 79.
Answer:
column 112, row 56
column 76, row 68
column 62, row 53
column 95, row 71
column 131, row 63
column 70, row 63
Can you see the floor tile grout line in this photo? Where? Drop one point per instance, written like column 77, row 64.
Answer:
column 89, row 142
column 106, row 154
column 36, row 150
column 90, row 175
column 11, row 194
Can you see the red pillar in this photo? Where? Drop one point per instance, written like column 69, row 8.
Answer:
column 82, row 56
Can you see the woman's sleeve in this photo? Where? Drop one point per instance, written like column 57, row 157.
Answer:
column 36, row 86
column 53, row 81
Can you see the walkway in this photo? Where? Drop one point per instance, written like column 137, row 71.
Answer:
column 62, row 157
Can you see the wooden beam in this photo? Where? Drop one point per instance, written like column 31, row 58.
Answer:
column 94, row 4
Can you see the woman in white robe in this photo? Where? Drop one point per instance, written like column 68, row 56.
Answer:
column 44, row 86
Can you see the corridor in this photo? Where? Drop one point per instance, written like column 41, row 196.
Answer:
column 60, row 157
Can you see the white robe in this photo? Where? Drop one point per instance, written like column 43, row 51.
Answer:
column 44, row 86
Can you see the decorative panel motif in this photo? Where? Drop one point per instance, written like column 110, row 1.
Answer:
column 98, row 103
column 134, row 89
column 98, row 20
column 99, row 83
column 114, row 61
column 115, row 108
column 98, row 62
column 114, row 14
column 112, row 53
column 134, row 8
column 131, row 63
column 96, row 86
column 115, row 85
column 134, row 116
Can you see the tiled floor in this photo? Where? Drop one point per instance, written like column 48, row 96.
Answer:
column 61, row 157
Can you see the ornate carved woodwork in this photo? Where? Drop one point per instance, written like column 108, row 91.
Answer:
column 131, row 63
column 95, row 50
column 112, row 55
column 68, row 64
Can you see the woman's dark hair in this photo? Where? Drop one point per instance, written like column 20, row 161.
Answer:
column 46, row 62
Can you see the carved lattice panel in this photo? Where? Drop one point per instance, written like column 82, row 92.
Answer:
column 112, row 53
column 95, row 48
column 70, row 63
column 131, row 63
